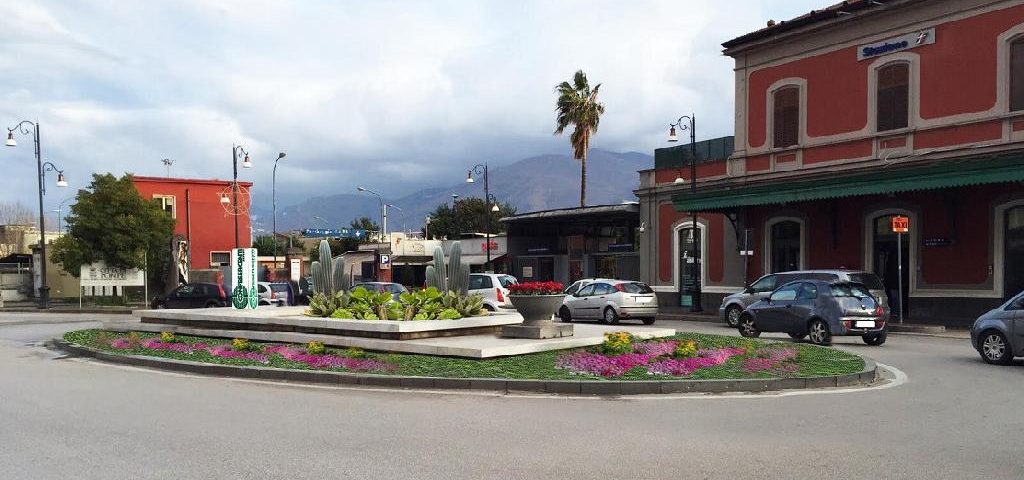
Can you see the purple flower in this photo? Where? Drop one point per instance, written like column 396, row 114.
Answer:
column 121, row 343
column 329, row 361
column 772, row 359
column 225, row 351
column 684, row 366
column 656, row 349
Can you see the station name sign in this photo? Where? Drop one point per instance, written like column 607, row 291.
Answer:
column 896, row 44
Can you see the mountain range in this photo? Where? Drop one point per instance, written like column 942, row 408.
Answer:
column 536, row 183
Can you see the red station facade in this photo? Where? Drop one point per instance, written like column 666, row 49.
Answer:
column 200, row 216
column 844, row 118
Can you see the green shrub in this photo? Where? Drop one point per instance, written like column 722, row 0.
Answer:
column 617, row 343
column 316, row 348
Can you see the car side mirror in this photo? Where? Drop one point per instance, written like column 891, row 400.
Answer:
column 748, row 289
column 767, row 298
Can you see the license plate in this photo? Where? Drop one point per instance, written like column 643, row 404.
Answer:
column 643, row 299
column 864, row 324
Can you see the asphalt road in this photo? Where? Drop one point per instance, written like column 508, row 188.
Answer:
column 955, row 417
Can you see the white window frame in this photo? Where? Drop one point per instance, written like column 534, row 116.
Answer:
column 913, row 91
column 768, row 242
column 702, row 227
column 999, row 246
column 913, row 237
column 1003, row 70
column 801, row 137
column 218, row 264
column 164, row 201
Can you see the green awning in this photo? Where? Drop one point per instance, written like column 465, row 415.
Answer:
column 952, row 173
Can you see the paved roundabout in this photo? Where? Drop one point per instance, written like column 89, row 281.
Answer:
column 951, row 417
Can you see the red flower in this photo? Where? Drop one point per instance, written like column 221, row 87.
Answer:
column 536, row 288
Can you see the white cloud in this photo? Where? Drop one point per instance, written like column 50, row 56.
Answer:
column 397, row 95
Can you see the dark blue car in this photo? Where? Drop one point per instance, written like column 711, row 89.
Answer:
column 817, row 309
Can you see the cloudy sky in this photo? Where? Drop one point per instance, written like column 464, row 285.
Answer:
column 395, row 95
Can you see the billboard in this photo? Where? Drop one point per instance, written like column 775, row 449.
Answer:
column 98, row 274
column 244, row 293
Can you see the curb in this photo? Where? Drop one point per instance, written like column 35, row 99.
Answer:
column 64, row 310
column 916, row 328
column 866, row 376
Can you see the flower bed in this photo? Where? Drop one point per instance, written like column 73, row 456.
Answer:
column 683, row 356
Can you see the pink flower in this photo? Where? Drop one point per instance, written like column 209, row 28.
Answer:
column 329, row 361
column 772, row 359
column 121, row 343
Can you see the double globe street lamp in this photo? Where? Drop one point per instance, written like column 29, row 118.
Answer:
column 481, row 169
column 26, row 127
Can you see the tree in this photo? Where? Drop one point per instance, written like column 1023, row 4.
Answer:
column 16, row 213
column 577, row 105
column 264, row 244
column 365, row 223
column 110, row 221
column 468, row 215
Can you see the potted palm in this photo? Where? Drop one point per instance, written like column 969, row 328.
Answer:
column 537, row 302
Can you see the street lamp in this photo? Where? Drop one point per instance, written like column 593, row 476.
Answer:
column 27, row 127
column 246, row 163
column 60, row 208
column 481, row 169
column 695, row 304
column 426, row 228
column 383, row 211
column 389, row 205
column 273, row 194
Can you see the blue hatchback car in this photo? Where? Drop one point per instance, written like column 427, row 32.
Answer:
column 998, row 335
column 817, row 309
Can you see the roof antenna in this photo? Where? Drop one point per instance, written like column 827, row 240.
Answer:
column 167, row 163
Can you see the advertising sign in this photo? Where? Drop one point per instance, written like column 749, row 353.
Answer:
column 100, row 275
column 244, row 293
column 896, row 44
column 296, row 269
column 336, row 233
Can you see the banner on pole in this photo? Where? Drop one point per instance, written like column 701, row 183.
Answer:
column 244, row 293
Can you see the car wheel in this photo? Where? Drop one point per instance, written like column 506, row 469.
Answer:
column 648, row 321
column 732, row 316
column 747, row 327
column 488, row 307
column 610, row 316
column 819, row 333
column 875, row 339
column 564, row 315
column 160, row 305
column 797, row 336
column 994, row 348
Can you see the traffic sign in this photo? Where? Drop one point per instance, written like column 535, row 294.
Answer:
column 900, row 224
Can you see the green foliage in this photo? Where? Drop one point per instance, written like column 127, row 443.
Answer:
column 168, row 337
column 111, row 222
column 685, row 349
column 577, row 105
column 426, row 304
column 264, row 244
column 448, row 276
column 244, row 345
column 468, row 215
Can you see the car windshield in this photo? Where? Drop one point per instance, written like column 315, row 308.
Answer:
column 395, row 288
column 850, row 290
column 869, row 280
column 279, row 287
column 636, row 287
column 507, row 280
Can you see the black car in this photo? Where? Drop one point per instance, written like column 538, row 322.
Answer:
column 194, row 295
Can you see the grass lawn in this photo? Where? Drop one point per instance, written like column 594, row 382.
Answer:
column 807, row 361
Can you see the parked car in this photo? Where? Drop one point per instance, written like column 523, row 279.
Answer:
column 273, row 293
column 998, row 335
column 734, row 304
column 395, row 289
column 817, row 309
column 609, row 301
column 493, row 287
column 194, row 295
column 578, row 284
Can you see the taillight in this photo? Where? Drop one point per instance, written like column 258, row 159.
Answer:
column 501, row 298
column 619, row 287
column 879, row 311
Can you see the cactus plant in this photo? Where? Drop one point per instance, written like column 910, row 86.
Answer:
column 440, row 272
column 339, row 276
column 317, row 286
column 454, row 269
column 329, row 276
column 431, row 277
column 452, row 276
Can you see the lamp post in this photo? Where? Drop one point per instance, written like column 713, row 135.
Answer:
column 273, row 187
column 383, row 211
column 246, row 163
column 482, row 170
column 26, row 127
column 426, row 228
column 59, row 210
column 695, row 304
column 390, row 205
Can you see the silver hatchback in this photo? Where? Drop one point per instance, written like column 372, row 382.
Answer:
column 733, row 305
column 998, row 335
column 608, row 301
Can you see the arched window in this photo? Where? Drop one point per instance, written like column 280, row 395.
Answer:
column 893, row 99
column 1017, row 74
column 786, row 121
column 785, row 246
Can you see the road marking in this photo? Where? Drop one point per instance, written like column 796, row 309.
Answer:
column 899, row 378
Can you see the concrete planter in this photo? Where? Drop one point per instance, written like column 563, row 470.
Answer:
column 537, row 311
column 536, row 308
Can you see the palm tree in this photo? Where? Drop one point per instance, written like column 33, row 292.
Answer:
column 577, row 105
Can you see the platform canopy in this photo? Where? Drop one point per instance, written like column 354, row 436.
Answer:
column 949, row 173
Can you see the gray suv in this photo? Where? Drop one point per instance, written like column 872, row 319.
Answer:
column 733, row 305
column 998, row 335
